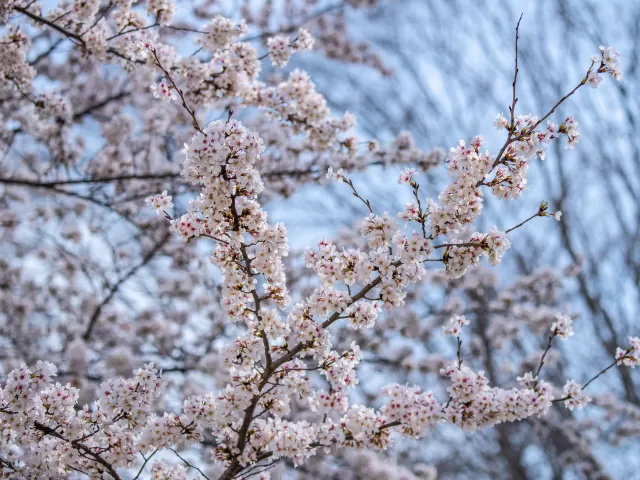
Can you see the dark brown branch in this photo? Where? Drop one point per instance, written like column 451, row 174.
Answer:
column 81, row 447
column 114, row 288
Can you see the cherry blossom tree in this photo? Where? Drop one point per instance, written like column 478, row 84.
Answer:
column 252, row 364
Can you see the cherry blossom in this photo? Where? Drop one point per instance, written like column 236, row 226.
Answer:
column 164, row 90
column 575, row 396
column 161, row 202
column 562, row 327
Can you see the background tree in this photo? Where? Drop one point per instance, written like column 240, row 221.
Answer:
column 100, row 286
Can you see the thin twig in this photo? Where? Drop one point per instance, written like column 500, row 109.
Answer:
column 190, row 465
column 537, row 214
column 544, row 354
column 146, row 459
column 196, row 125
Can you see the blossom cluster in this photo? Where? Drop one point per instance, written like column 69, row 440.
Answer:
column 281, row 47
column 460, row 255
column 164, row 90
column 221, row 32
column 562, row 327
column 454, row 326
column 575, row 396
column 607, row 62
column 48, row 435
column 474, row 404
column 160, row 202
column 630, row 356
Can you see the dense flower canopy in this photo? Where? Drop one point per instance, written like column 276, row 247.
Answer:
column 274, row 337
